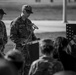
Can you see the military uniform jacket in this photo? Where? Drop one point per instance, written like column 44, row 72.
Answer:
column 3, row 33
column 20, row 30
column 45, row 66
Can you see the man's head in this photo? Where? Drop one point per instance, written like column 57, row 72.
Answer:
column 26, row 10
column 46, row 46
column 1, row 13
column 15, row 57
column 6, row 68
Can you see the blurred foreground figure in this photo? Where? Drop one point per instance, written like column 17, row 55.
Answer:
column 6, row 68
column 3, row 33
column 15, row 57
column 22, row 32
column 65, row 73
column 46, row 64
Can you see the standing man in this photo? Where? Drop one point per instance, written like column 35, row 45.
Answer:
column 3, row 33
column 22, row 32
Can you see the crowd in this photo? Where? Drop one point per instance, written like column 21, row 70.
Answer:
column 56, row 59
column 58, row 56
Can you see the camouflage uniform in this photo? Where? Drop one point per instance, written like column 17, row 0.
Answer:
column 45, row 66
column 20, row 31
column 3, row 36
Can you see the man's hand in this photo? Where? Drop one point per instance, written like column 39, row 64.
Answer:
column 34, row 26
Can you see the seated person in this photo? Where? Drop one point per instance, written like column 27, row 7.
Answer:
column 67, row 60
column 46, row 64
column 60, row 45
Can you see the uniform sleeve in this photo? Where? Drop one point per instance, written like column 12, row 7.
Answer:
column 14, row 36
column 5, row 38
column 32, row 69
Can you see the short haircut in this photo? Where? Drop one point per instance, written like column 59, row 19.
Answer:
column 46, row 46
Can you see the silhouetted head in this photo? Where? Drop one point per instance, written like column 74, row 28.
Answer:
column 6, row 68
column 15, row 57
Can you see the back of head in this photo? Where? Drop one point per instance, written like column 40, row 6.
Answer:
column 46, row 46
column 65, row 73
column 6, row 68
column 15, row 57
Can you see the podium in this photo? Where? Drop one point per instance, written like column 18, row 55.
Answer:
column 34, row 50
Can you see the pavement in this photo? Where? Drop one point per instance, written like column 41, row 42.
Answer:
column 44, row 26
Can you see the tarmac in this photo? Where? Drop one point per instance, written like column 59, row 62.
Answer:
column 44, row 26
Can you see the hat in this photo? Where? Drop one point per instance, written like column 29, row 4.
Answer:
column 2, row 11
column 27, row 8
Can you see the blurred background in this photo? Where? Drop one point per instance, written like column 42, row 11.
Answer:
column 47, row 16
column 43, row 9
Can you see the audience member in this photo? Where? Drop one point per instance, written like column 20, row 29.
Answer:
column 46, row 64
column 60, row 45
column 67, row 60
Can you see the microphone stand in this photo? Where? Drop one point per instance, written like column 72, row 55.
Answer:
column 27, row 44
